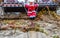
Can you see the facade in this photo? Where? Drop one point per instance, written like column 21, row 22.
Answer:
column 41, row 1
column 9, row 6
column 19, row 4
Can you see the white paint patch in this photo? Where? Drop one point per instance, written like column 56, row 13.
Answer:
column 58, row 12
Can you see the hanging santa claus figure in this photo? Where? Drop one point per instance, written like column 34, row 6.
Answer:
column 31, row 9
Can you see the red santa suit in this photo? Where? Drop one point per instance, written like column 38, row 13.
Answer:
column 31, row 10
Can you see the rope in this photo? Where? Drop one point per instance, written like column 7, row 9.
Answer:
column 24, row 6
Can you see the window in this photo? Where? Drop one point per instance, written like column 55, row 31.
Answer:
column 9, row 1
column 44, row 1
column 30, row 0
column 21, row 1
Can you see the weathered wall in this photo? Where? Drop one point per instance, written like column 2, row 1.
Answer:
column 0, row 0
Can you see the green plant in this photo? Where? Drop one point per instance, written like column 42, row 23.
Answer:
column 56, row 36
